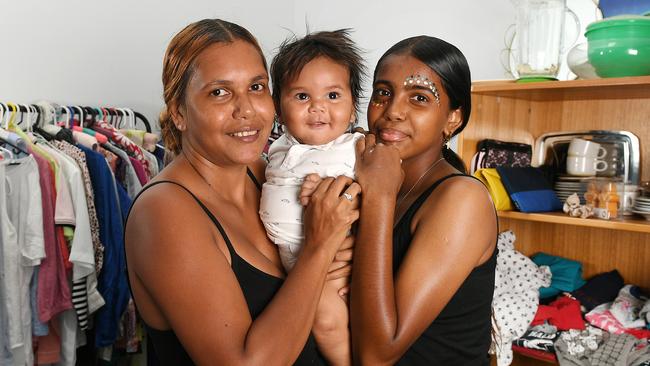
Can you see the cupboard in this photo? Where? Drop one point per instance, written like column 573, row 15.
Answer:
column 509, row 111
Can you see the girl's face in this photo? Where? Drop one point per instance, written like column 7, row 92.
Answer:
column 409, row 107
column 228, row 112
column 317, row 107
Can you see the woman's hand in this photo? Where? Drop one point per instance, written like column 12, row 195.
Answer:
column 331, row 212
column 378, row 166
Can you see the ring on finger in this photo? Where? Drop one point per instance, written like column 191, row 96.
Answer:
column 347, row 196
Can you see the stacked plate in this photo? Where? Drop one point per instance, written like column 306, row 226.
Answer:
column 566, row 185
column 642, row 207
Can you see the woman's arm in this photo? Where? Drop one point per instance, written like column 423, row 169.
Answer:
column 178, row 265
column 452, row 232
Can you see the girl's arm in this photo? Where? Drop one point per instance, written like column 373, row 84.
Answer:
column 453, row 231
column 178, row 264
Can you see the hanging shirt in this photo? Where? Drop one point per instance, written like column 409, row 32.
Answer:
column 5, row 346
column 122, row 141
column 23, row 249
column 52, row 292
column 80, row 158
column 131, row 181
column 81, row 250
column 112, row 283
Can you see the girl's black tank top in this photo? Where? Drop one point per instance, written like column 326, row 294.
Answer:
column 460, row 334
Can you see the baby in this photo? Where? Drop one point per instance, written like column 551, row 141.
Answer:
column 316, row 90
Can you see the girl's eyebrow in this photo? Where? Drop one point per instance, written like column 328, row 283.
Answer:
column 419, row 87
column 301, row 87
column 381, row 81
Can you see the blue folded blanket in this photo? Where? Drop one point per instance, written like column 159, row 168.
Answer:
column 529, row 190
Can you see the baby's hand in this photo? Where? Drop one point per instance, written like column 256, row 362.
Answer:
column 308, row 187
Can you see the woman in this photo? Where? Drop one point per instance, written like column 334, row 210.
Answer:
column 207, row 282
column 425, row 253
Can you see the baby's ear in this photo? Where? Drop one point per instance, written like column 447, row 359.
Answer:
column 353, row 117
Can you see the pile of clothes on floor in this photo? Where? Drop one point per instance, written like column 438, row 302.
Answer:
column 545, row 309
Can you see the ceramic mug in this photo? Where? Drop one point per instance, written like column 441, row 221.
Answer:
column 628, row 196
column 585, row 148
column 614, row 162
column 584, row 166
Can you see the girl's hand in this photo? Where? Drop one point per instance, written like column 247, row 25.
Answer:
column 331, row 212
column 342, row 264
column 308, row 187
column 341, row 267
column 378, row 166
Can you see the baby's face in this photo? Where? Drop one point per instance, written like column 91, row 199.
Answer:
column 316, row 107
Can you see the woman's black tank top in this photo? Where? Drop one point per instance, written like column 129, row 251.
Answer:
column 258, row 288
column 460, row 334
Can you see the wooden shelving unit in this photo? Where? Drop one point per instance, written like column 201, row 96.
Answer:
column 631, row 223
column 509, row 111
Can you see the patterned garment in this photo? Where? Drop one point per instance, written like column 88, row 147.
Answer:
column 111, row 158
column 516, row 296
column 80, row 158
column 124, row 142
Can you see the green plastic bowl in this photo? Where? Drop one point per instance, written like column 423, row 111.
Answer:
column 620, row 46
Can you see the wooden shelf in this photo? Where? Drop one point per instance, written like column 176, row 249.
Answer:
column 608, row 88
column 627, row 224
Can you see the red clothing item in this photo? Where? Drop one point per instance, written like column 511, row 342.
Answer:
column 49, row 346
column 564, row 313
column 65, row 252
column 139, row 171
column 53, row 291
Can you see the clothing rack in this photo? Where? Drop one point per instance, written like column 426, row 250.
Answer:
column 90, row 113
column 74, row 171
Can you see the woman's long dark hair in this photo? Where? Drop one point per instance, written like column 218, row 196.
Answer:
column 449, row 63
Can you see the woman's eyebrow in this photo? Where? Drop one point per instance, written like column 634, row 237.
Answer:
column 259, row 77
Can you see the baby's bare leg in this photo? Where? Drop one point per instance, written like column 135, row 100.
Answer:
column 331, row 325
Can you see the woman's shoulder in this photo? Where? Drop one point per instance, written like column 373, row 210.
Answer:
column 460, row 187
column 459, row 196
column 162, row 201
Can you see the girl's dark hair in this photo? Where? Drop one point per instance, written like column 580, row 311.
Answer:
column 294, row 54
column 178, row 66
column 449, row 63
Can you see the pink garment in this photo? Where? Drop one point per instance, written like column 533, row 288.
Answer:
column 85, row 140
column 53, row 291
column 602, row 318
column 139, row 171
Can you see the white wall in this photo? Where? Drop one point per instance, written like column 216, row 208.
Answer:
column 110, row 52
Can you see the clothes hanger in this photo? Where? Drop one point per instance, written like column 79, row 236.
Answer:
column 130, row 119
column 90, row 119
column 12, row 118
column 75, row 108
column 100, row 113
column 10, row 155
column 144, row 120
column 64, row 111
column 27, row 117
column 120, row 117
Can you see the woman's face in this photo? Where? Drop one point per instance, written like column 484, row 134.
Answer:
column 228, row 111
column 409, row 107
